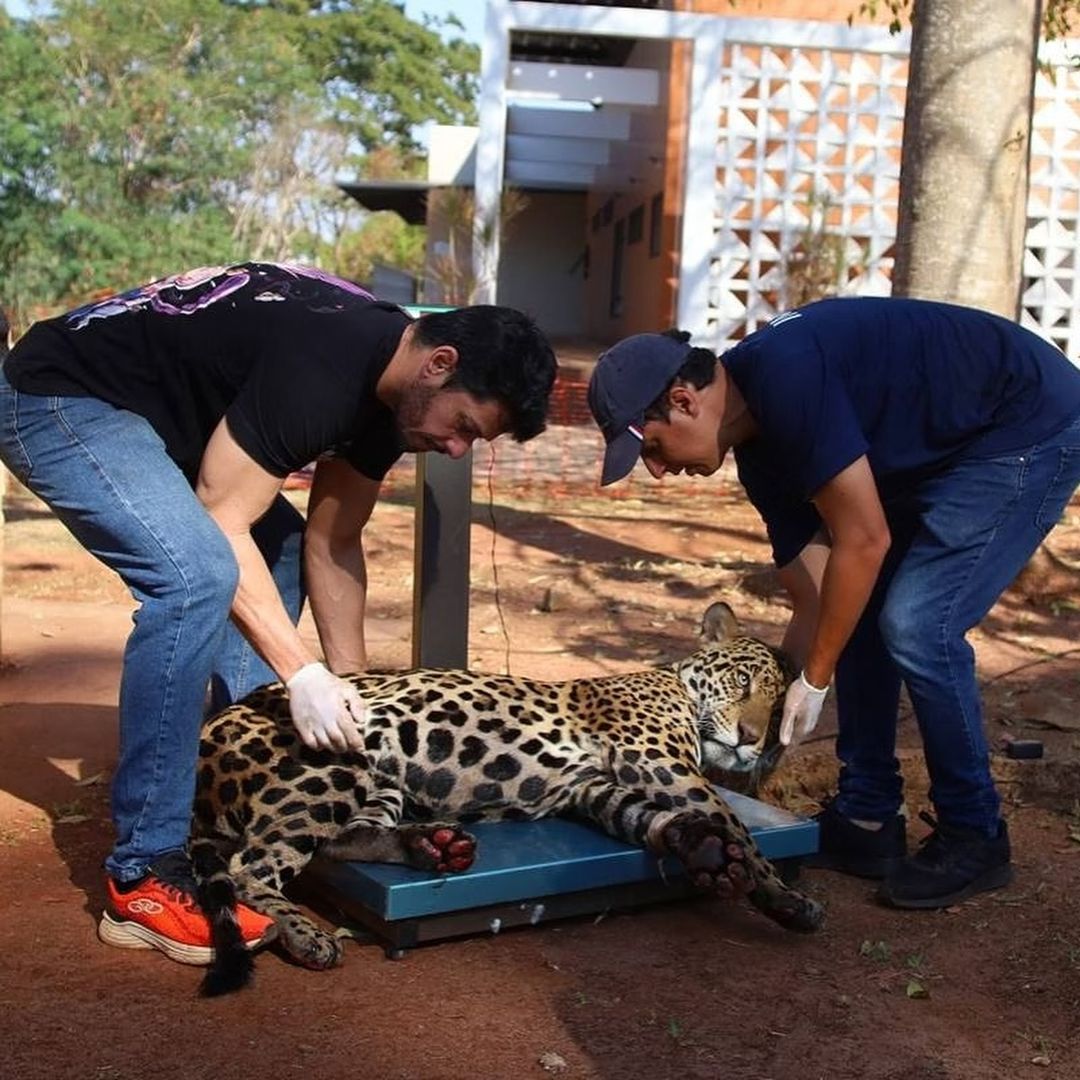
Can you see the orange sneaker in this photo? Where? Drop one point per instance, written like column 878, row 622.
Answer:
column 160, row 912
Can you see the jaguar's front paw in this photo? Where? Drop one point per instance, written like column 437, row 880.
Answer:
column 712, row 860
column 444, row 848
column 790, row 909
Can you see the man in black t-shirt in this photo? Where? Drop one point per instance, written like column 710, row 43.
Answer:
column 159, row 425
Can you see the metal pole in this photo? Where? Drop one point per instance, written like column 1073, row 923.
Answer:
column 444, row 487
column 441, row 561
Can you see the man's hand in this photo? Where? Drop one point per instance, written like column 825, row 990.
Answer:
column 327, row 711
column 802, row 707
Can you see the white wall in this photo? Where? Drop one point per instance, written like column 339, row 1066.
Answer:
column 540, row 271
column 451, row 154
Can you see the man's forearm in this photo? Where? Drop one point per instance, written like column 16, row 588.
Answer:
column 260, row 614
column 801, row 578
column 337, row 588
column 846, row 587
column 859, row 538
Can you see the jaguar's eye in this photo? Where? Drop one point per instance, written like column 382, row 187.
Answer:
column 743, row 678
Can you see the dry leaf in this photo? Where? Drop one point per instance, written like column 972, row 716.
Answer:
column 552, row 1062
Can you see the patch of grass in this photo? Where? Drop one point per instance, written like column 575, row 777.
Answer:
column 1041, row 1044
column 1072, row 822
column 916, row 962
column 878, row 951
column 1070, row 950
column 69, row 813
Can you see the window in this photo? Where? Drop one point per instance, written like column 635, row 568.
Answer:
column 656, row 224
column 616, row 305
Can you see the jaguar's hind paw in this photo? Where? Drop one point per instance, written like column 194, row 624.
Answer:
column 790, row 909
column 444, row 848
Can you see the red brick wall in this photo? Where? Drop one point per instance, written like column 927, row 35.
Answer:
column 826, row 10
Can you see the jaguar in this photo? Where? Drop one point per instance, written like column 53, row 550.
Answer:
column 635, row 754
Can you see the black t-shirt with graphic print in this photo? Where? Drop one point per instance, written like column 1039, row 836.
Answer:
column 290, row 356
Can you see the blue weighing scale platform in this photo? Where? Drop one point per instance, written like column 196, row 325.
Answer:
column 531, row 872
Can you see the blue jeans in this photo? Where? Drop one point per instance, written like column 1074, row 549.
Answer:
column 106, row 475
column 958, row 540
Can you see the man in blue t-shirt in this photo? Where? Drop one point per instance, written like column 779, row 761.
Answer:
column 160, row 425
column 907, row 458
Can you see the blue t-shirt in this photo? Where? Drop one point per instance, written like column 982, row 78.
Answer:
column 912, row 384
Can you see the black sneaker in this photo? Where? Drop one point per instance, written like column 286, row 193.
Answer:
column 850, row 849
column 950, row 865
column 173, row 868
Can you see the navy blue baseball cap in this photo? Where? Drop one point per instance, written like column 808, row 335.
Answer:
column 627, row 379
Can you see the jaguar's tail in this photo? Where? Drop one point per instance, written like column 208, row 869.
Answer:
column 232, row 966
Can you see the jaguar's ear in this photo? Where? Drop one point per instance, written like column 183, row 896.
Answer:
column 719, row 622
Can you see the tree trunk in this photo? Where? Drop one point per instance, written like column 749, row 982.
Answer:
column 964, row 172
column 964, row 165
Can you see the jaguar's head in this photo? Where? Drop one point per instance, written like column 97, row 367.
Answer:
column 738, row 684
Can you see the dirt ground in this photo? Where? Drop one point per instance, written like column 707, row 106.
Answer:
column 569, row 584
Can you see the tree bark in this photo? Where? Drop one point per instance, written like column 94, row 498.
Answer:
column 964, row 164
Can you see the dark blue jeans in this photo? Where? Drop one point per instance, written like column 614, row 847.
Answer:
column 106, row 475
column 959, row 539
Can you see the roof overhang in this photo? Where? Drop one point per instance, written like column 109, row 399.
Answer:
column 578, row 118
column 407, row 198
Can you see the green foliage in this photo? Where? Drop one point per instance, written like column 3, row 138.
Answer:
column 383, row 73
column 1060, row 18
column 383, row 238
column 879, row 951
column 30, row 121
column 156, row 110
column 817, row 264
column 137, row 139
column 896, row 8
column 453, row 213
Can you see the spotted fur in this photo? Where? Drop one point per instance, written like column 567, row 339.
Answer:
column 631, row 753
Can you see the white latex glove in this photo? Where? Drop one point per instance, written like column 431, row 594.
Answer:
column 327, row 711
column 802, row 707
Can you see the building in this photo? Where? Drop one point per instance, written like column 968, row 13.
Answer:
column 704, row 165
